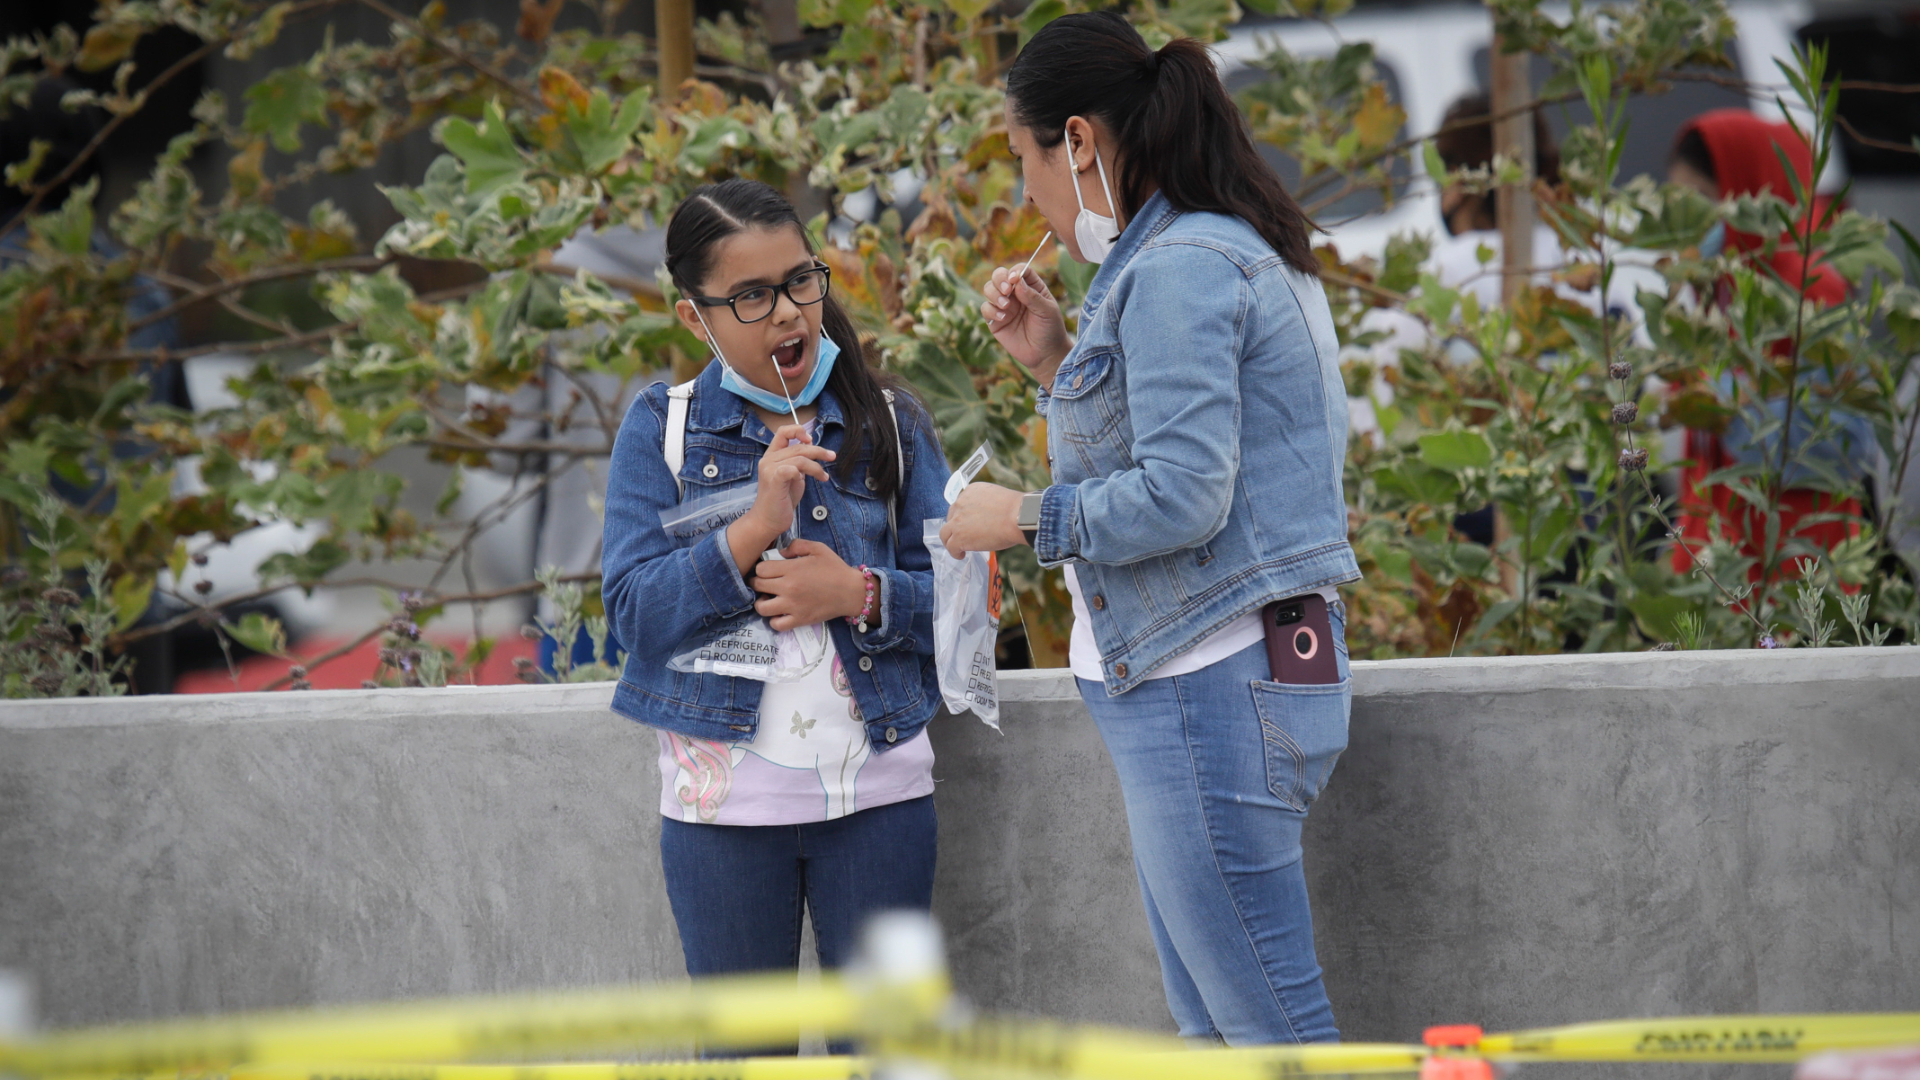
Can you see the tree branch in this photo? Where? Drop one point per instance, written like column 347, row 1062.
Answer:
column 474, row 62
column 40, row 191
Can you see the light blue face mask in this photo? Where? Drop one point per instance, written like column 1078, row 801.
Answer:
column 731, row 381
column 1715, row 241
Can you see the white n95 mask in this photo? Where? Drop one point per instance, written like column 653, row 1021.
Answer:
column 1095, row 233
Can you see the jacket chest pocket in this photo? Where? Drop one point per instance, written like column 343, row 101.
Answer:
column 1089, row 398
column 711, row 467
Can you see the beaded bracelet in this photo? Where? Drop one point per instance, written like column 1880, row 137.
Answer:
column 866, row 610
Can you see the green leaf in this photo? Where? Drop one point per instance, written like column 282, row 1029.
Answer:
column 601, row 135
column 1456, row 450
column 278, row 104
column 261, row 633
column 968, row 10
column 69, row 230
column 1657, row 614
column 488, row 151
column 1039, row 14
column 131, row 594
column 123, row 393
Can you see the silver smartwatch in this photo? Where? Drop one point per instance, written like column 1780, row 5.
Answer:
column 1029, row 517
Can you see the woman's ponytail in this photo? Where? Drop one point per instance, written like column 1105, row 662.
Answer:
column 1178, row 129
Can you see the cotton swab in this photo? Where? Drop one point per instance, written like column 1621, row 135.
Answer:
column 1036, row 253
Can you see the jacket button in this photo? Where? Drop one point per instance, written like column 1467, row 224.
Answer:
column 710, row 471
column 872, row 484
column 1099, row 602
column 1077, row 380
column 866, row 663
column 892, row 735
column 1120, row 671
column 819, row 513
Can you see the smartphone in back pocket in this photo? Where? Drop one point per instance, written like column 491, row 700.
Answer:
column 1300, row 641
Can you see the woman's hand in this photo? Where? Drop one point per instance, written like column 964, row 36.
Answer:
column 784, row 468
column 986, row 517
column 810, row 585
column 1026, row 321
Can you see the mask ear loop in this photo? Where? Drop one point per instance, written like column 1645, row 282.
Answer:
column 722, row 357
column 1113, row 208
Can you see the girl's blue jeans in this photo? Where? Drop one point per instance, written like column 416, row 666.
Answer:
column 739, row 891
column 1218, row 768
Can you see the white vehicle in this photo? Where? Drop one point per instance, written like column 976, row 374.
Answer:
column 1431, row 55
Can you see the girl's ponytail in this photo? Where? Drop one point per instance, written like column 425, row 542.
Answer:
column 1177, row 127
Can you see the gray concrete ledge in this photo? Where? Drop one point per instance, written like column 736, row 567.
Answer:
column 1515, row 842
column 1371, row 678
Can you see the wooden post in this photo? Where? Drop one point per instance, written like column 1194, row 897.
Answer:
column 673, row 33
column 1513, row 138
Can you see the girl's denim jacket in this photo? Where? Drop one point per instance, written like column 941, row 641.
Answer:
column 659, row 593
column 1197, row 433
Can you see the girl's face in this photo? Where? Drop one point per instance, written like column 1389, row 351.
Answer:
column 1051, row 173
column 785, row 344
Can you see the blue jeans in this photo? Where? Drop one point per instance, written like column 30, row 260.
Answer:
column 1218, row 768
column 737, row 890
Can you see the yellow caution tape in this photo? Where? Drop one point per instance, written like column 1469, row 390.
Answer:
column 999, row 1048
column 739, row 1012
column 1760, row 1038
column 760, row 1068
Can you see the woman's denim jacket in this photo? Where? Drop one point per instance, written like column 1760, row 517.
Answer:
column 659, row 593
column 1197, row 433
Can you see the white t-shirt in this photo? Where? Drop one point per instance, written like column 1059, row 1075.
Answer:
column 1083, row 653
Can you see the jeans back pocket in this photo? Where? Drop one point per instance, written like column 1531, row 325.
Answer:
column 1304, row 729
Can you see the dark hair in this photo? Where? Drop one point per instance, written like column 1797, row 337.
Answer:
column 1691, row 149
column 66, row 133
column 714, row 212
column 1465, row 141
column 1178, row 129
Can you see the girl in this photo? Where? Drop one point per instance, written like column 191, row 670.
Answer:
column 1197, row 431
column 816, row 789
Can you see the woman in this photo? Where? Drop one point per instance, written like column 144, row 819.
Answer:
column 812, row 793
column 1197, row 430
column 1724, row 154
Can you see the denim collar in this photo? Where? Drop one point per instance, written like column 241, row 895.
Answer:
column 1155, row 215
column 716, row 409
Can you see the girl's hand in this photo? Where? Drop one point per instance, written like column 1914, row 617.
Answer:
column 784, row 469
column 1026, row 321
column 810, row 585
column 986, row 517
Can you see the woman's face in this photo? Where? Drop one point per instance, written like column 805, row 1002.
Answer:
column 784, row 345
column 1051, row 173
column 1685, row 175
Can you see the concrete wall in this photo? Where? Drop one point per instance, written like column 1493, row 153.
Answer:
column 1512, row 842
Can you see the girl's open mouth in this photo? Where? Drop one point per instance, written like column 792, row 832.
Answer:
column 790, row 356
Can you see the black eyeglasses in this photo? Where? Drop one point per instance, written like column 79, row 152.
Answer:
column 750, row 305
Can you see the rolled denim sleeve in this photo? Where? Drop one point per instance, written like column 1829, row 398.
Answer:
column 657, row 594
column 1180, row 333
column 906, row 596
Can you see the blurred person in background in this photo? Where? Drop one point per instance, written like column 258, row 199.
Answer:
column 1725, row 154
column 1470, row 257
column 66, row 133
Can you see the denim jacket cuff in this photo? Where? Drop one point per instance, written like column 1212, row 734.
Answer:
column 1042, row 400
column 896, row 606
column 726, row 591
column 1057, row 540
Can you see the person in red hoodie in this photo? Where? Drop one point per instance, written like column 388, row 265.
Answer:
column 1723, row 154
